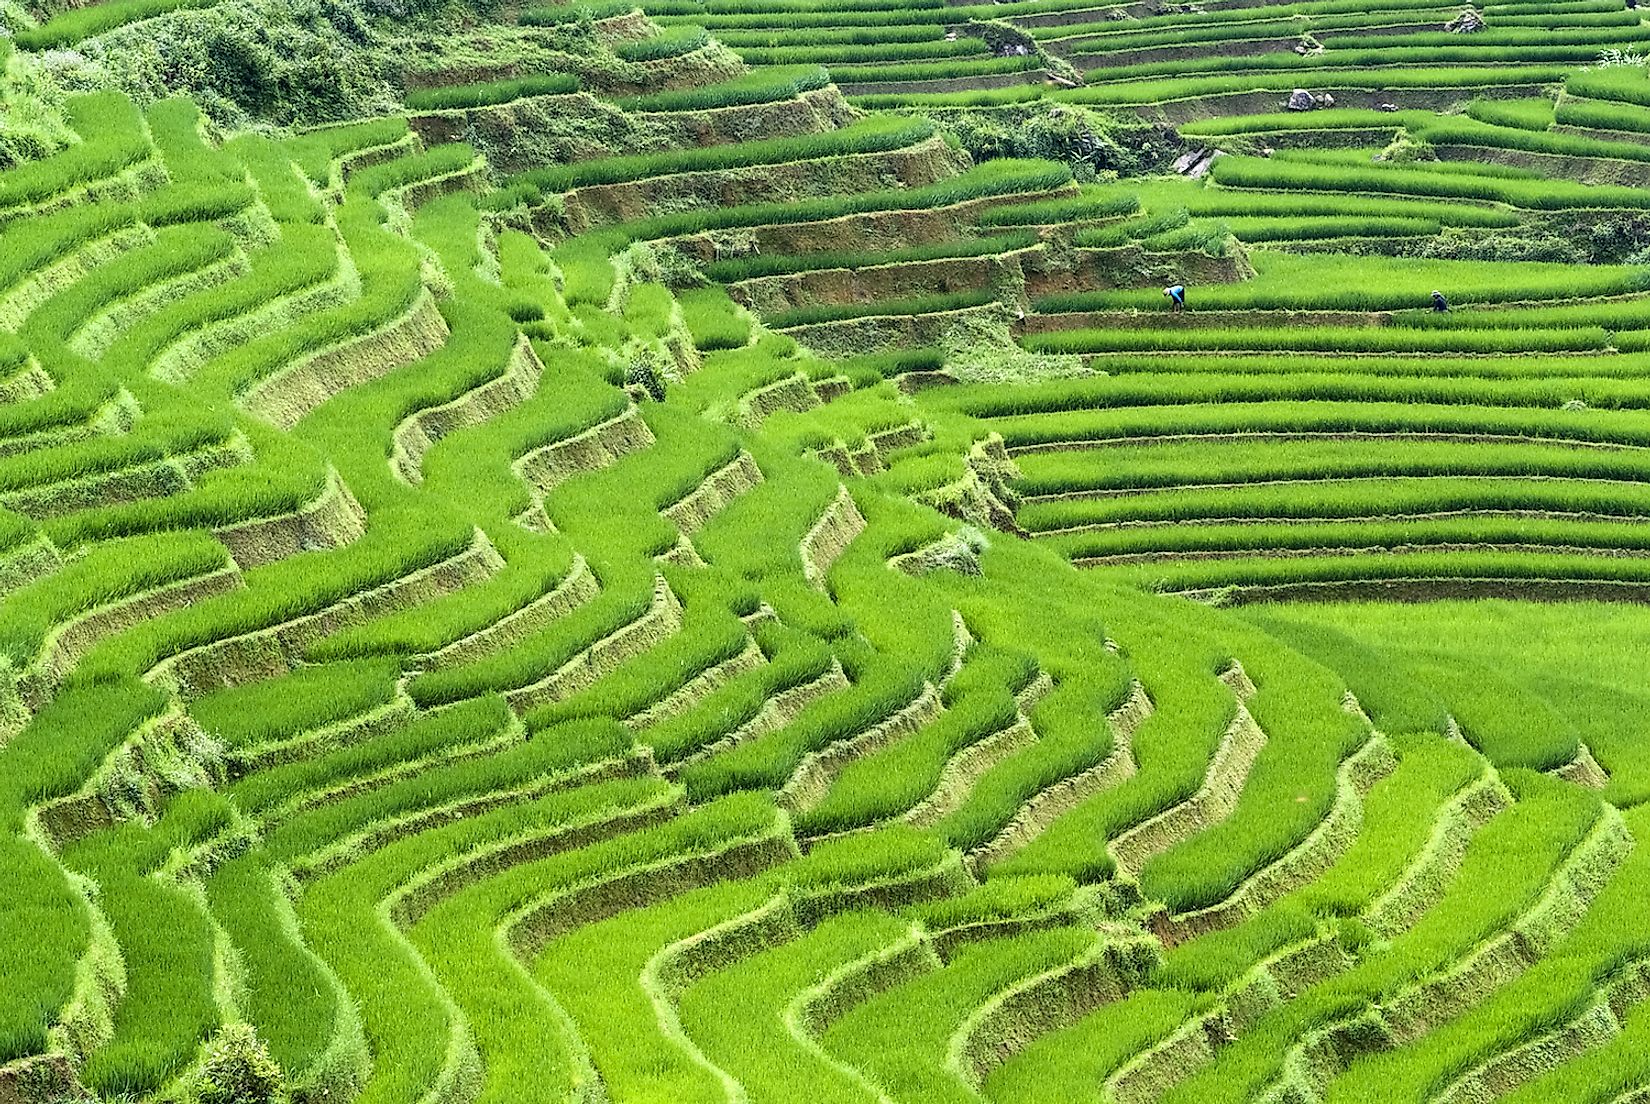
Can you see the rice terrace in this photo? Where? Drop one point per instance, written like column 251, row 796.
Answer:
column 824, row 552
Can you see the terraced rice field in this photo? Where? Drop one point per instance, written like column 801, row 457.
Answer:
column 680, row 561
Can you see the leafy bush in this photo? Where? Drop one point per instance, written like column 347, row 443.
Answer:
column 1092, row 142
column 303, row 63
column 238, row 1070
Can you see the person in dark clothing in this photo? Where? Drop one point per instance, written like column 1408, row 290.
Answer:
column 1439, row 303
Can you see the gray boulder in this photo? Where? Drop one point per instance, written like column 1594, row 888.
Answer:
column 1468, row 22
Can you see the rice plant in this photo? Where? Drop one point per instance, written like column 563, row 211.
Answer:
column 453, row 644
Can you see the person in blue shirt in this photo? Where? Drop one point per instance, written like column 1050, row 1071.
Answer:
column 1439, row 303
column 1177, row 297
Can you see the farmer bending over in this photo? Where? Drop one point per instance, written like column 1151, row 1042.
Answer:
column 1177, row 297
column 1439, row 303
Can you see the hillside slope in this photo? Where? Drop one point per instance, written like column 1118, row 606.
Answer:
column 666, row 567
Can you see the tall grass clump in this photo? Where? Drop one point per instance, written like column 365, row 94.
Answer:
column 69, row 27
column 764, row 85
column 114, row 138
column 668, row 43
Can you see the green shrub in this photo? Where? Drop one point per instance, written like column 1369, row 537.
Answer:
column 238, row 1069
column 295, row 64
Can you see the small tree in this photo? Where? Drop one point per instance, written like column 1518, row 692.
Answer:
column 239, row 1070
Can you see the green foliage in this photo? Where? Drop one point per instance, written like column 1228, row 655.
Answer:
column 903, row 71
column 493, row 814
column 112, row 140
column 714, row 320
column 574, row 13
column 244, row 61
column 239, row 1070
column 765, row 85
column 870, row 135
column 672, row 42
column 1525, row 114
column 35, row 125
column 311, row 697
column 866, row 53
column 901, row 1036
column 492, row 92
column 1092, row 142
column 928, row 304
column 78, row 23
column 1080, row 208
column 1535, row 195
column 1344, row 282
column 754, row 267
